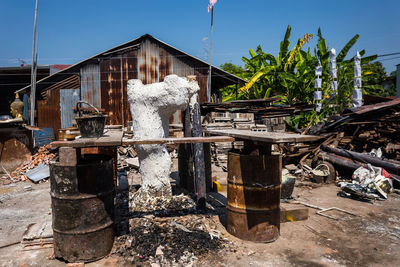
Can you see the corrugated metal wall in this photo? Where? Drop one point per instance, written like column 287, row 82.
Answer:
column 90, row 84
column 68, row 100
column 49, row 115
column 48, row 109
column 115, row 72
column 151, row 62
column 105, row 84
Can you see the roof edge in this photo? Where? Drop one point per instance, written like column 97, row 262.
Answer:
column 24, row 89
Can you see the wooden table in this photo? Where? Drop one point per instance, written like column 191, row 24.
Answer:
column 114, row 138
column 254, row 183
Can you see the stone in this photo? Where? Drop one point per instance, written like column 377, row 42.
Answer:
column 291, row 167
column 67, row 156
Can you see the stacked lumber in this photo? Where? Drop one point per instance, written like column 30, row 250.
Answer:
column 367, row 128
column 263, row 108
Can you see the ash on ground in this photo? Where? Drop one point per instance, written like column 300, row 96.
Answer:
column 166, row 204
column 170, row 241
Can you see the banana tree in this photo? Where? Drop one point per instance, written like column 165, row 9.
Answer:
column 277, row 75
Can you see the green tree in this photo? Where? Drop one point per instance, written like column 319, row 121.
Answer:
column 291, row 75
column 231, row 90
column 374, row 77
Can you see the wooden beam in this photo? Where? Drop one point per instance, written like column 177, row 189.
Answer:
column 176, row 140
column 293, row 214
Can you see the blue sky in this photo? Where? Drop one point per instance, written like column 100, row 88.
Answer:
column 70, row 31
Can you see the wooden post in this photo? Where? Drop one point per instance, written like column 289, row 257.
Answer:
column 207, row 165
column 185, row 156
column 198, row 149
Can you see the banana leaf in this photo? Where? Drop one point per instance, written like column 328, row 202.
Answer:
column 256, row 77
column 284, row 46
column 346, row 48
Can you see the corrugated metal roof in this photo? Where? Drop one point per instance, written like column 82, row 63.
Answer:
column 43, row 83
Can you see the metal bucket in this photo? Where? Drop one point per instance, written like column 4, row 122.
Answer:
column 254, row 186
column 90, row 125
column 83, row 208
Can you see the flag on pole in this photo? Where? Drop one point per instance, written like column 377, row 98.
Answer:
column 211, row 4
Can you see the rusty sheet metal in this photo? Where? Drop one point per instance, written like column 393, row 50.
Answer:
column 71, row 82
column 254, row 184
column 363, row 110
column 129, row 71
column 202, row 78
column 90, row 84
column 16, row 146
column 148, row 60
column 111, row 89
column 115, row 73
column 83, row 208
column 49, row 115
column 68, row 100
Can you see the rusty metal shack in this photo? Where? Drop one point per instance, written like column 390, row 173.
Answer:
column 102, row 81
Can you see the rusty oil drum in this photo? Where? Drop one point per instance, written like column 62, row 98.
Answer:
column 83, row 208
column 254, row 184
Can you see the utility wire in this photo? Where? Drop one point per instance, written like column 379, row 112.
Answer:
column 386, row 59
column 391, row 54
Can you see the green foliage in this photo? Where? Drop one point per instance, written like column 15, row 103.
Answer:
column 374, row 76
column 229, row 92
column 291, row 75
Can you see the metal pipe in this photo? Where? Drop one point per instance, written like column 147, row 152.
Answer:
column 210, row 69
column 33, row 67
column 398, row 81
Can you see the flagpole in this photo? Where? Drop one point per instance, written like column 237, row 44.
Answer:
column 209, row 71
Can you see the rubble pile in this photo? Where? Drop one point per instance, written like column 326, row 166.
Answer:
column 367, row 128
column 43, row 156
column 365, row 140
column 170, row 241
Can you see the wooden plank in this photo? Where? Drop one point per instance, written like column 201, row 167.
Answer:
column 266, row 137
column 182, row 140
column 293, row 214
column 110, row 138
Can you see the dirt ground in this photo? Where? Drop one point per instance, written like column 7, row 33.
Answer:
column 371, row 238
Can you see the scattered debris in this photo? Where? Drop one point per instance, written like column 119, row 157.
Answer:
column 38, row 173
column 133, row 162
column 368, row 183
column 43, row 156
column 28, row 188
column 170, row 241
column 38, row 236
